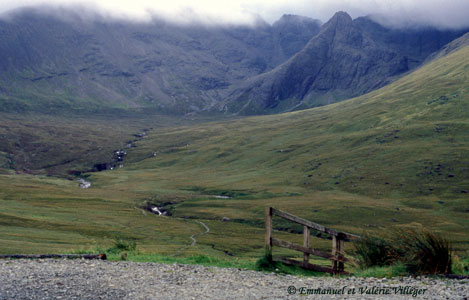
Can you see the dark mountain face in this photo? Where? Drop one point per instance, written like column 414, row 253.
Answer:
column 346, row 58
column 449, row 48
column 294, row 32
column 48, row 63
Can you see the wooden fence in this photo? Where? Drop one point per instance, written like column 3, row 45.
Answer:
column 338, row 238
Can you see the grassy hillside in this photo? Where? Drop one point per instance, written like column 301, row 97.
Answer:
column 398, row 156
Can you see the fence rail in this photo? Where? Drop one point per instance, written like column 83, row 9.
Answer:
column 337, row 255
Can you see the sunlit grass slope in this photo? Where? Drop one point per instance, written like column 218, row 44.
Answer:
column 398, row 156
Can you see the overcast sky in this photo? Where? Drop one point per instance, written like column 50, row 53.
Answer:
column 443, row 13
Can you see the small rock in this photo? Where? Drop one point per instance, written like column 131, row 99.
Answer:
column 225, row 219
column 450, row 175
column 84, row 184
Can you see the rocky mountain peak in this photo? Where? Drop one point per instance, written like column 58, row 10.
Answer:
column 341, row 28
column 340, row 18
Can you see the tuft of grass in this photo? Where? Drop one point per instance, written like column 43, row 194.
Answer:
column 426, row 252
column 419, row 250
column 375, row 251
column 460, row 266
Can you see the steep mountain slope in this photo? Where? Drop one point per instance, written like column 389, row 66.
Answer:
column 347, row 58
column 451, row 47
column 53, row 61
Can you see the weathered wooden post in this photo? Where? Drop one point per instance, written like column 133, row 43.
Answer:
column 334, row 254
column 337, row 252
column 268, row 233
column 340, row 250
column 306, row 235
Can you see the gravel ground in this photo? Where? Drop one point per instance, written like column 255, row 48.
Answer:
column 93, row 279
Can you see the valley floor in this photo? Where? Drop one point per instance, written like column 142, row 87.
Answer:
column 397, row 157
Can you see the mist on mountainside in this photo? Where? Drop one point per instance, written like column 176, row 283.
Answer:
column 451, row 14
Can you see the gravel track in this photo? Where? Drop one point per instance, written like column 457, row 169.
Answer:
column 93, row 279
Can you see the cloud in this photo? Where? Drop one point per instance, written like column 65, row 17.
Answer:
column 448, row 13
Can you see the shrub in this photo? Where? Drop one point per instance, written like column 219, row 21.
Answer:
column 460, row 266
column 121, row 245
column 265, row 263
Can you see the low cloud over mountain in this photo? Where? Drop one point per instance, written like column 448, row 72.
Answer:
column 447, row 14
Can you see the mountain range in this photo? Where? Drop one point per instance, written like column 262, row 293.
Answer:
column 60, row 62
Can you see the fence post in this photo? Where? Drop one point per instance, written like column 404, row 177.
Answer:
column 337, row 251
column 306, row 235
column 340, row 250
column 334, row 253
column 268, row 233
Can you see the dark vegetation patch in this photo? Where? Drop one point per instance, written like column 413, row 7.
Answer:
column 221, row 192
column 421, row 251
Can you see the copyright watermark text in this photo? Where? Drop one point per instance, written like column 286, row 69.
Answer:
column 365, row 290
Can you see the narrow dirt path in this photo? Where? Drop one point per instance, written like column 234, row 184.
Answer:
column 192, row 237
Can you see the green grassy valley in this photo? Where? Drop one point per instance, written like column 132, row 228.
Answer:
column 398, row 156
